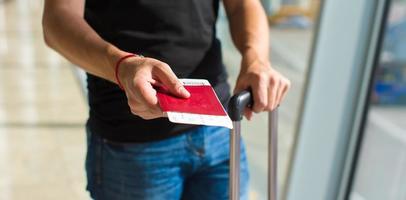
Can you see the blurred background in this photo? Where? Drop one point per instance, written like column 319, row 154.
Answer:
column 342, row 126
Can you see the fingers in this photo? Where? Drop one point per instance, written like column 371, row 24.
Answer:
column 165, row 74
column 260, row 92
column 248, row 113
column 273, row 94
column 240, row 85
column 269, row 89
column 142, row 100
column 145, row 92
column 141, row 95
column 283, row 89
column 145, row 112
column 278, row 88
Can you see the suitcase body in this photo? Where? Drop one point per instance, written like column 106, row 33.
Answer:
column 236, row 108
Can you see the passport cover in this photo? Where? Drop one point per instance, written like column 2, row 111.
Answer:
column 203, row 100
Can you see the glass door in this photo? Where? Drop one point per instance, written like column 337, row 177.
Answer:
column 380, row 167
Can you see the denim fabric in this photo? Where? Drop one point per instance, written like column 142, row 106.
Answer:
column 191, row 166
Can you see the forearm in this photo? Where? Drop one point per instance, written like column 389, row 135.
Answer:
column 249, row 28
column 70, row 35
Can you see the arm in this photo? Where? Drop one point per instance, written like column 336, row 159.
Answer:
column 66, row 31
column 250, row 34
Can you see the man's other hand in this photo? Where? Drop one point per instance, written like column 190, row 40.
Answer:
column 138, row 76
column 269, row 87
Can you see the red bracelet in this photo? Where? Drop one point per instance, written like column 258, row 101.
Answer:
column 118, row 66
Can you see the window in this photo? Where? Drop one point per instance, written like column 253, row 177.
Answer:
column 381, row 166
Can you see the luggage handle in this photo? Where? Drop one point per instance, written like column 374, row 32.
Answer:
column 238, row 103
column 236, row 108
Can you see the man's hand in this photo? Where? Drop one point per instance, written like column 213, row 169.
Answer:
column 138, row 76
column 250, row 33
column 269, row 87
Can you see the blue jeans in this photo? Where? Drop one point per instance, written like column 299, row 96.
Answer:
column 191, row 166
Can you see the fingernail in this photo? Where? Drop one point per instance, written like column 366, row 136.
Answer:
column 184, row 92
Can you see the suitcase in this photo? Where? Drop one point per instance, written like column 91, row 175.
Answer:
column 235, row 110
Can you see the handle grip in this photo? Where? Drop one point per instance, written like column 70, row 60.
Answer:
column 238, row 103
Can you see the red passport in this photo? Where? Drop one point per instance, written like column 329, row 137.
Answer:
column 202, row 100
column 201, row 108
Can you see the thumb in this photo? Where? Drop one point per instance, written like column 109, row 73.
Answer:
column 170, row 81
column 240, row 86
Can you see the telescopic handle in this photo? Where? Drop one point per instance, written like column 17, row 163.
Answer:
column 238, row 103
column 273, row 155
column 236, row 108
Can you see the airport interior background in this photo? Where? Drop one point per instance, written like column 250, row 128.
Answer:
column 342, row 130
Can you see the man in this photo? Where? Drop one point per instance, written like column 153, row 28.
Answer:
column 133, row 151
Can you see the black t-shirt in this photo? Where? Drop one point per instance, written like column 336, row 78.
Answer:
column 178, row 32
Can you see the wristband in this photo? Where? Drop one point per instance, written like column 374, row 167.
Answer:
column 118, row 66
